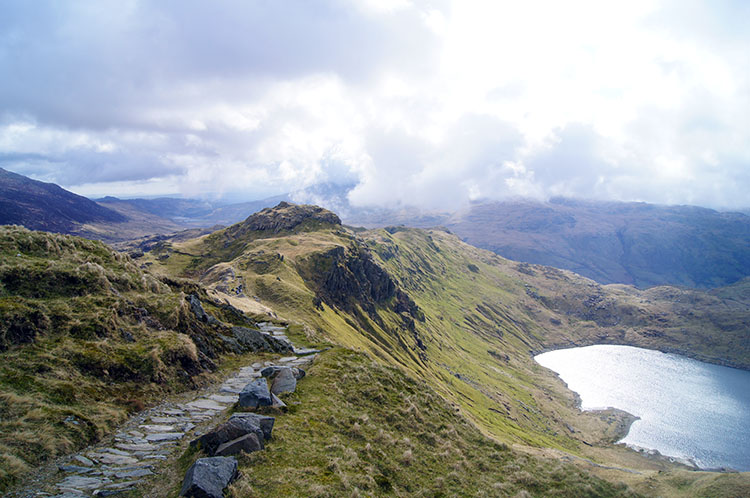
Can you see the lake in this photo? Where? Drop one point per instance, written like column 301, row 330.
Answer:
column 688, row 409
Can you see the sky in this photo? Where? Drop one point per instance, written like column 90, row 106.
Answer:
column 429, row 103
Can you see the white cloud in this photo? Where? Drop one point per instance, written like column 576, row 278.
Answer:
column 425, row 102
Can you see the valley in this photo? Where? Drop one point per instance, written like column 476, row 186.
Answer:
column 460, row 322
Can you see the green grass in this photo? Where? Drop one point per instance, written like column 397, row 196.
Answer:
column 358, row 428
column 484, row 316
column 86, row 339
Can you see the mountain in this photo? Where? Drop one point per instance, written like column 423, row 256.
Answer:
column 191, row 213
column 632, row 243
column 613, row 242
column 466, row 323
column 88, row 336
column 637, row 244
column 46, row 206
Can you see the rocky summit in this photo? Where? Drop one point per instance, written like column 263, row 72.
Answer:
column 286, row 217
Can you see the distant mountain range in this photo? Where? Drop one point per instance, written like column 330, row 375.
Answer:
column 611, row 242
column 614, row 242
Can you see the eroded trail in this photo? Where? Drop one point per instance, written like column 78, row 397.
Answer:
column 128, row 460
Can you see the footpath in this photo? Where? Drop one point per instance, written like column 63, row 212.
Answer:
column 126, row 460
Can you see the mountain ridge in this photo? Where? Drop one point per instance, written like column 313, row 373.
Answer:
column 46, row 206
column 462, row 320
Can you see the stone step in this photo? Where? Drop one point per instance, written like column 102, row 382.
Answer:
column 164, row 436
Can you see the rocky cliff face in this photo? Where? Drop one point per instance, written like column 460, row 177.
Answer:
column 346, row 278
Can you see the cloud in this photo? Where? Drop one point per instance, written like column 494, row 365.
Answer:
column 416, row 102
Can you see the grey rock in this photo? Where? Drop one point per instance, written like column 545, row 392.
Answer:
column 136, row 447
column 255, row 394
column 265, row 422
column 247, row 443
column 79, row 482
column 228, row 431
column 223, row 399
column 164, row 420
column 298, row 373
column 205, row 404
column 113, row 492
column 117, row 488
column 116, row 451
column 197, row 308
column 270, row 372
column 78, row 469
column 156, row 428
column 83, row 460
column 284, row 382
column 306, row 351
column 277, row 403
column 255, row 340
column 173, row 411
column 164, row 436
column 133, row 473
column 208, row 477
column 111, row 459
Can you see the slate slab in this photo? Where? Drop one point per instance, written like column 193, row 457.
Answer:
column 208, row 477
column 284, row 381
column 255, row 394
column 247, row 443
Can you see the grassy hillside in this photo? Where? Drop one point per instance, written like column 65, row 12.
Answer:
column 463, row 320
column 87, row 337
column 632, row 243
column 380, row 432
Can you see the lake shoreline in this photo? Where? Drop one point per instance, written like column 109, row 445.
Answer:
column 722, row 362
column 611, row 377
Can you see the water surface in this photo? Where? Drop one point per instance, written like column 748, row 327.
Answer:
column 688, row 409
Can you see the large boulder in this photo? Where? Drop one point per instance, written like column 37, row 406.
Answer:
column 270, row 371
column 265, row 422
column 208, row 477
column 247, row 443
column 284, row 381
column 255, row 340
column 234, row 428
column 255, row 394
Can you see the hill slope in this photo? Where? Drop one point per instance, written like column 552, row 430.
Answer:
column 464, row 320
column 46, row 206
column 87, row 336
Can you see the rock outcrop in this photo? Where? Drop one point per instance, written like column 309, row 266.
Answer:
column 208, row 477
column 284, row 217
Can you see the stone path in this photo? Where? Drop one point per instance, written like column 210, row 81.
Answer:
column 149, row 438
